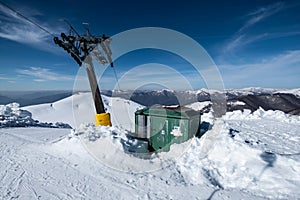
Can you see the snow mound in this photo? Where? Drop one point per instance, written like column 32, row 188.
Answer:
column 115, row 148
column 220, row 159
column 269, row 130
column 93, row 133
column 230, row 163
column 262, row 114
column 12, row 116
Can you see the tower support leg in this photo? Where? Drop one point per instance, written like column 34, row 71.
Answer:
column 101, row 117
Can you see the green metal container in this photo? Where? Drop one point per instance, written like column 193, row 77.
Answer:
column 163, row 126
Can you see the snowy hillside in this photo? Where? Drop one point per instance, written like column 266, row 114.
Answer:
column 243, row 155
column 11, row 115
column 79, row 108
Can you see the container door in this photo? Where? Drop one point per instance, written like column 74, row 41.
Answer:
column 177, row 131
column 159, row 135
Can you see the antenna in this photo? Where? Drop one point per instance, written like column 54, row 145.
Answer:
column 72, row 29
column 85, row 25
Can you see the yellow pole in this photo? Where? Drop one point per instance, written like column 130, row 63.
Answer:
column 102, row 119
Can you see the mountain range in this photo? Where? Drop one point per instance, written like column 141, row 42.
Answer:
column 286, row 100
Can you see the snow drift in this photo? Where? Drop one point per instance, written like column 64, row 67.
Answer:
column 12, row 116
column 242, row 151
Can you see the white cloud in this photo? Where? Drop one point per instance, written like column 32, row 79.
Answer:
column 14, row 27
column 242, row 38
column 39, row 80
column 153, row 73
column 44, row 74
column 282, row 61
column 278, row 71
column 262, row 13
column 4, row 77
column 22, row 34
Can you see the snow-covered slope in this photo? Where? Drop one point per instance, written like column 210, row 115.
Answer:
column 243, row 155
column 290, row 91
column 79, row 108
column 11, row 115
column 199, row 105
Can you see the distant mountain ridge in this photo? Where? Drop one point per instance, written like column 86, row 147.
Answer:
column 26, row 98
column 286, row 100
column 287, row 103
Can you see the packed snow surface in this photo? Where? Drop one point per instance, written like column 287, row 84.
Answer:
column 243, row 155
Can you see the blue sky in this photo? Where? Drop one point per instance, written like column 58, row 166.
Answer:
column 253, row 43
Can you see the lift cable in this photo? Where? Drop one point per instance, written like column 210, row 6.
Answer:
column 26, row 18
column 116, row 77
column 45, row 30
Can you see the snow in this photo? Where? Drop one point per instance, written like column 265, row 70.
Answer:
column 12, row 116
column 295, row 91
column 232, row 163
column 79, row 108
column 237, row 103
column 275, row 130
column 199, row 105
column 262, row 114
column 66, row 110
column 243, row 155
column 247, row 91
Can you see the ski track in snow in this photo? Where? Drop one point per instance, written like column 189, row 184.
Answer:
column 33, row 171
column 243, row 156
column 43, row 170
column 38, row 168
column 274, row 136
